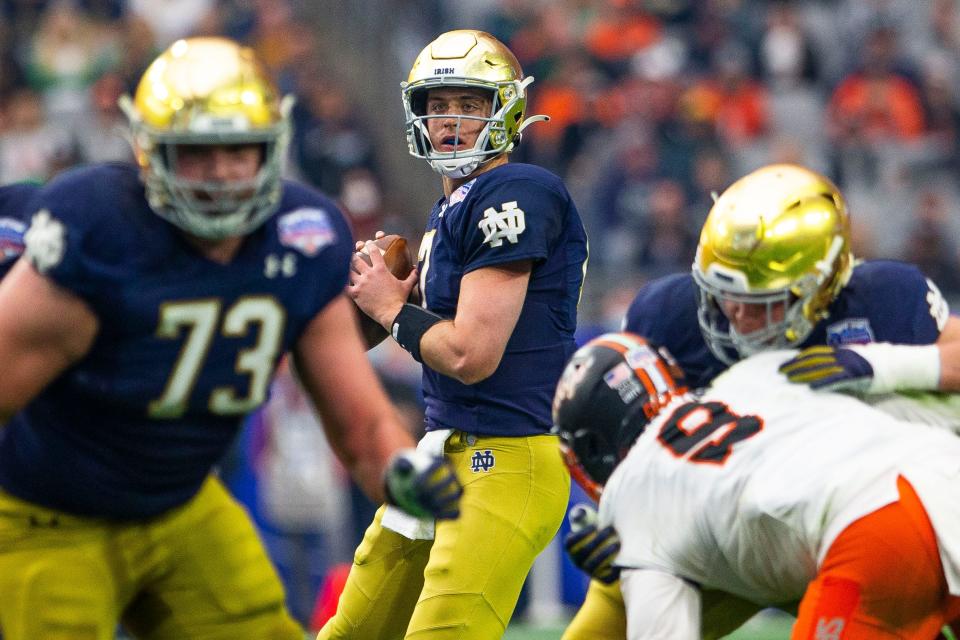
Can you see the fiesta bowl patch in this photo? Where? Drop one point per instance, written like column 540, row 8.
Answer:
column 850, row 331
column 306, row 230
column 11, row 238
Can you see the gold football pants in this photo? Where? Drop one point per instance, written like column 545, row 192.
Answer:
column 464, row 584
column 197, row 571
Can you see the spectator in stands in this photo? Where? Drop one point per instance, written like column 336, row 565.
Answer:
column 876, row 103
column 731, row 99
column 669, row 240
column 66, row 55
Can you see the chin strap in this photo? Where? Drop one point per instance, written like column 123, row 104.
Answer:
column 529, row 121
column 526, row 82
column 523, row 125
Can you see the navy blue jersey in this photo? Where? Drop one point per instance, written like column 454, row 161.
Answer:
column 15, row 210
column 186, row 346
column 884, row 301
column 510, row 213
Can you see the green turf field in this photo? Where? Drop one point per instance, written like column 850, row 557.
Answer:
column 768, row 626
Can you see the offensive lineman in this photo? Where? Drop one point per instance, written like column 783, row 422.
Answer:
column 144, row 321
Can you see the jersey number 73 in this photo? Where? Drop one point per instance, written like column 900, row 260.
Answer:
column 200, row 319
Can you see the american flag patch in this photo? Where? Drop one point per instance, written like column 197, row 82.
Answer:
column 11, row 239
column 615, row 377
column 306, row 230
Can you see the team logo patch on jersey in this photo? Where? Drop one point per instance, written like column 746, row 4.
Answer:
column 506, row 224
column 45, row 241
column 306, row 230
column 482, row 461
column 850, row 331
column 11, row 238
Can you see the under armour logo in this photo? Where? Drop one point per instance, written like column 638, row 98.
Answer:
column 482, row 461
column 508, row 223
column 285, row 266
column 829, row 629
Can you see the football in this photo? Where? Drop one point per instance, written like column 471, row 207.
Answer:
column 396, row 255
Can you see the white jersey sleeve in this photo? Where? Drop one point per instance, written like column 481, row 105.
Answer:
column 933, row 408
column 660, row 606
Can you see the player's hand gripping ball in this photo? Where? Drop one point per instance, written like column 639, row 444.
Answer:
column 397, row 256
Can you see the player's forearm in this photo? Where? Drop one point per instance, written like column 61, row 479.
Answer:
column 949, row 366
column 449, row 350
column 365, row 450
column 902, row 367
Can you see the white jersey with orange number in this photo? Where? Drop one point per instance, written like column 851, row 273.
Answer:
column 745, row 488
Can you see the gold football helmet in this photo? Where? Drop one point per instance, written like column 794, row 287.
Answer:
column 467, row 58
column 208, row 91
column 778, row 237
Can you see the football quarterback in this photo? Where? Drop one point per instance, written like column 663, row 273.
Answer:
column 500, row 267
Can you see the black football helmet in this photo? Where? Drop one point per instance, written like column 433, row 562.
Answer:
column 608, row 393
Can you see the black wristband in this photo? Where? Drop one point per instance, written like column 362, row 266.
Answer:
column 409, row 326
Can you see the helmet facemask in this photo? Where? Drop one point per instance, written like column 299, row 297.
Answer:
column 791, row 312
column 609, row 392
column 777, row 239
column 467, row 59
column 499, row 135
column 206, row 92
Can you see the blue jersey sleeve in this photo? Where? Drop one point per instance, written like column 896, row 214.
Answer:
column 67, row 239
column 885, row 301
column 665, row 312
column 332, row 265
column 926, row 307
column 518, row 218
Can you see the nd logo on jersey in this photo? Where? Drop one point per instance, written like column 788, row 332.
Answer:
column 507, row 223
column 482, row 461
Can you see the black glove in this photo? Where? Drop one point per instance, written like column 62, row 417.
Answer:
column 830, row 369
column 593, row 550
column 422, row 485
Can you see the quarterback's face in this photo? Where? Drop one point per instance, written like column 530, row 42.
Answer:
column 453, row 102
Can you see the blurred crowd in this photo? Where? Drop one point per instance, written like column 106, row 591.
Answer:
column 64, row 63
column 659, row 103
column 655, row 106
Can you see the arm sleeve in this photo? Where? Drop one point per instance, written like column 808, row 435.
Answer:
column 660, row 606
column 920, row 311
